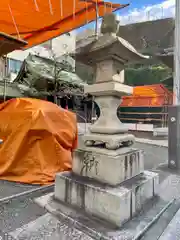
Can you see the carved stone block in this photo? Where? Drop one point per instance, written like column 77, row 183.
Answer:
column 110, row 167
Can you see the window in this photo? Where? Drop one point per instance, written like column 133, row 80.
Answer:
column 14, row 65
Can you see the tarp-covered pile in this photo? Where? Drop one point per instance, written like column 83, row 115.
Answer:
column 38, row 139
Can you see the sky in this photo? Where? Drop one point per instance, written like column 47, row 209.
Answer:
column 143, row 10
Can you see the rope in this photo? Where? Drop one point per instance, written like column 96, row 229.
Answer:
column 36, row 5
column 14, row 22
column 61, row 7
column 87, row 19
column 74, row 9
column 50, row 7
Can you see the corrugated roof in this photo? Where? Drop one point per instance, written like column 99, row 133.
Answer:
column 150, row 90
column 36, row 71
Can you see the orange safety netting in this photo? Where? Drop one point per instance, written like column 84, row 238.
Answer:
column 149, row 95
column 37, row 21
column 38, row 139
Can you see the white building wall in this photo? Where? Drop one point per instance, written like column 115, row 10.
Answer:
column 64, row 44
column 60, row 45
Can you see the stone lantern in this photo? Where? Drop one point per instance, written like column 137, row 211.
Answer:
column 107, row 178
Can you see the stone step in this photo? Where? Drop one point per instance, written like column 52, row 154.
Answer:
column 98, row 229
column 172, row 232
column 115, row 204
column 47, row 227
column 161, row 224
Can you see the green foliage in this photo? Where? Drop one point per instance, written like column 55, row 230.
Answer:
column 146, row 75
column 136, row 75
column 168, row 82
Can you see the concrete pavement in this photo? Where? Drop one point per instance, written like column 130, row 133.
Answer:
column 160, row 143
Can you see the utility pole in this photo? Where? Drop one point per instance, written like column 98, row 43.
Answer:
column 174, row 111
column 177, row 55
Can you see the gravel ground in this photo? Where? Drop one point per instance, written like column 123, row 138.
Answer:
column 10, row 188
column 18, row 212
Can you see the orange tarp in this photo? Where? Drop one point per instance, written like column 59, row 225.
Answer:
column 37, row 21
column 149, row 95
column 38, row 140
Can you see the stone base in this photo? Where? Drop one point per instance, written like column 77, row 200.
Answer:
column 111, row 142
column 111, row 167
column 114, row 204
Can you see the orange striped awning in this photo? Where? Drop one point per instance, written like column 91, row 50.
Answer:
column 37, row 21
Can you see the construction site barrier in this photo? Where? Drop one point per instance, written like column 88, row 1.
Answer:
column 157, row 116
